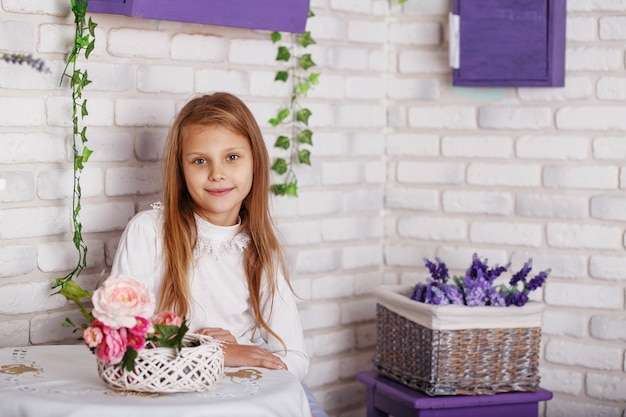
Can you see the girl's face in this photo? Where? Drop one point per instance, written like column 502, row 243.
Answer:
column 217, row 165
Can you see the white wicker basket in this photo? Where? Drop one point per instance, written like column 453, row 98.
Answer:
column 198, row 367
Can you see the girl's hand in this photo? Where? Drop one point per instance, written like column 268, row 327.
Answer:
column 248, row 355
column 219, row 334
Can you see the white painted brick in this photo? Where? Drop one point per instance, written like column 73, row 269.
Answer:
column 319, row 203
column 301, row 232
column 51, row 7
column 56, row 38
column 611, row 88
column 583, row 236
column 365, row 282
column 109, row 146
column 575, row 88
column 334, row 173
column 348, row 58
column 477, row 146
column 199, row 48
column 353, row 363
column 562, row 380
column 31, row 147
column 321, row 373
column 591, row 118
column 165, row 79
column 22, row 111
column 415, row 33
column 33, row 221
column 16, row 186
column 319, row 316
column 590, row 58
column 412, row 199
column 367, row 31
column 397, row 116
column 59, row 183
column 149, row 145
column 552, row 147
column 60, row 112
column 608, row 207
column 110, row 77
column 366, row 144
column 407, row 144
column 29, row 297
column 612, row 28
column 477, row 202
column 351, row 228
column 375, row 172
column 565, row 323
column 358, row 310
column 558, row 407
column 263, row 84
column 622, row 178
column 523, row 234
column 582, row 354
column 547, row 205
column 330, row 87
column 347, row 395
column 430, row 172
column 432, row 228
column 514, row 117
column 561, row 265
column 323, row 115
column 333, row 286
column 608, row 327
column 460, row 258
column 443, row 117
column 431, row 7
column 21, row 77
column 14, row 333
column 366, row 337
column 607, row 267
column 606, row 387
column 331, row 143
column 381, row 60
column 106, row 217
column 583, row 296
column 596, row 5
column 581, row 29
column 405, row 255
column 361, row 115
column 334, row 342
column 47, row 328
column 232, row 81
column 515, row 175
column 325, row 27
column 252, row 52
column 362, row 256
column 132, row 180
column 610, row 147
column 413, row 89
column 576, row 176
column 318, row 260
column 423, row 61
column 16, row 260
column 63, row 256
column 17, row 37
column 365, row 200
column 145, row 43
column 365, row 88
column 144, row 112
column 354, row 6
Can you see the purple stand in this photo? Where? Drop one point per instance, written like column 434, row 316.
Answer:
column 385, row 397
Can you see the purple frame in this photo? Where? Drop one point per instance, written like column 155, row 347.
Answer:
column 279, row 15
column 504, row 46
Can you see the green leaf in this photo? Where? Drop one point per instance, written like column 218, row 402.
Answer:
column 306, row 39
column 283, row 114
column 314, row 78
column 83, row 109
column 302, row 88
column 276, row 36
column 291, row 189
column 278, row 189
column 281, row 76
column 169, row 335
column 280, row 166
column 128, row 361
column 86, row 154
column 282, row 142
column 283, row 54
column 92, row 27
column 306, row 137
column 311, row 14
column 306, row 62
column 304, row 156
column 303, row 115
column 90, row 48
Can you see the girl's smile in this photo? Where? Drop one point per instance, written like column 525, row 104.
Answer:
column 217, row 165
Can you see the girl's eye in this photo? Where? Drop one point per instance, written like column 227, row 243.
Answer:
column 232, row 157
column 199, row 161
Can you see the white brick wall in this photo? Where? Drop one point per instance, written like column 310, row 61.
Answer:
column 405, row 166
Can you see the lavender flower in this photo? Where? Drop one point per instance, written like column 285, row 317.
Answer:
column 522, row 273
column 419, row 292
column 454, row 294
column 439, row 271
column 436, row 295
column 537, row 281
column 517, row 298
column 19, row 59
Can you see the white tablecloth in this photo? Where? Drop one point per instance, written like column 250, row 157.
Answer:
column 63, row 381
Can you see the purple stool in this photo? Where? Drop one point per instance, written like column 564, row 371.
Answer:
column 386, row 397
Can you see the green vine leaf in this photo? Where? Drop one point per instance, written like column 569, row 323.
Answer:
column 283, row 54
column 306, row 137
column 291, row 189
column 281, row 76
column 280, row 166
column 306, row 39
column 92, row 28
column 303, row 88
column 282, row 142
column 306, row 62
column 303, row 115
column 314, row 78
column 304, row 156
column 86, row 154
column 276, row 37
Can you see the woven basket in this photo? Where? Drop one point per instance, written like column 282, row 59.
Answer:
column 456, row 350
column 198, row 367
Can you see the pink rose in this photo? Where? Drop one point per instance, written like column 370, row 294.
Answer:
column 92, row 336
column 113, row 346
column 169, row 318
column 142, row 327
column 136, row 342
column 120, row 300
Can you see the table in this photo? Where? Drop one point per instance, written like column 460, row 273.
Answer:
column 386, row 397
column 63, row 381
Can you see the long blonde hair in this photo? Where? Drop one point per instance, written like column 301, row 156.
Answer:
column 263, row 257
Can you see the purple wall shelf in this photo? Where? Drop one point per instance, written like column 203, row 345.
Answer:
column 279, row 15
column 508, row 43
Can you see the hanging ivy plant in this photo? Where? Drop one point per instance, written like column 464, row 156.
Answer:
column 294, row 116
column 84, row 43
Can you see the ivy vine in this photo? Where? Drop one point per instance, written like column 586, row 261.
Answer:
column 294, row 116
column 84, row 43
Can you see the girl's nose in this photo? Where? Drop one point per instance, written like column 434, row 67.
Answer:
column 216, row 174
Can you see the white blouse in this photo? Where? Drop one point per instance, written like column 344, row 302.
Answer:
column 218, row 285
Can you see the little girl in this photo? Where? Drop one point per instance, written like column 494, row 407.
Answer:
column 209, row 250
